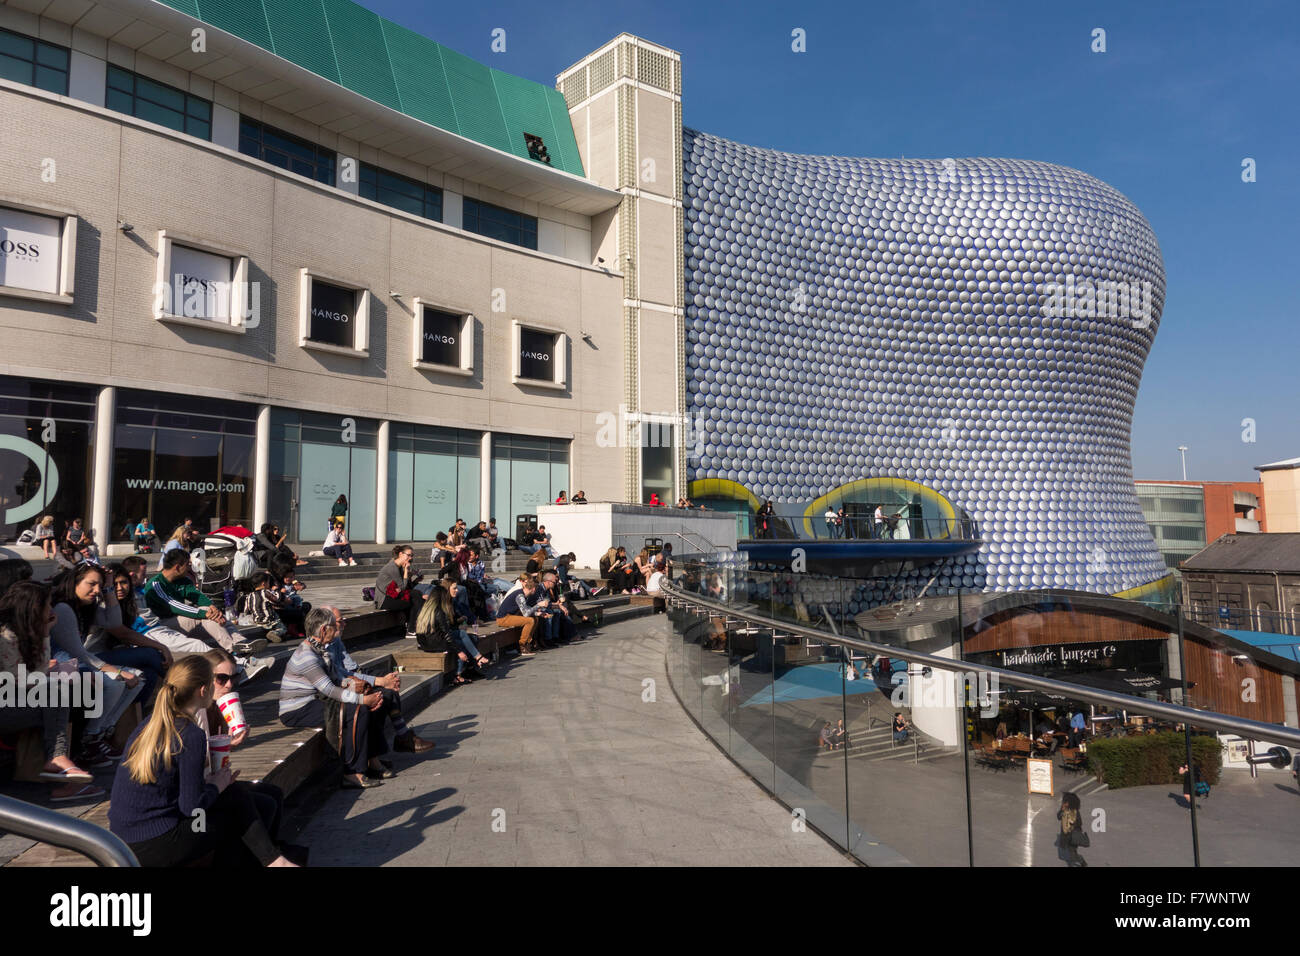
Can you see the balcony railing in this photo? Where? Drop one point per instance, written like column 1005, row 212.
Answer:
column 810, row 713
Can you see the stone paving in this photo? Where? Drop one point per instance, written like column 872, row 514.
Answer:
column 562, row 759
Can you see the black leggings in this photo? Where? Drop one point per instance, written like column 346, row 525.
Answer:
column 239, row 829
column 411, row 608
column 361, row 736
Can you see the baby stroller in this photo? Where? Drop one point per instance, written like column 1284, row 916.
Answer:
column 222, row 562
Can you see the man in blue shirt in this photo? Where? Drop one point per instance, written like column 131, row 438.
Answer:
column 1077, row 726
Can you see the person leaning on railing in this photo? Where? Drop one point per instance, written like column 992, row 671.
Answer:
column 26, row 616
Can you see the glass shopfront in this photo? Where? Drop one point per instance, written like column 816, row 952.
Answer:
column 314, row 459
column 46, row 432
column 178, row 457
column 526, row 472
column 433, row 479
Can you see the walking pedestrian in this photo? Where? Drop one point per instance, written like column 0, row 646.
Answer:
column 1072, row 835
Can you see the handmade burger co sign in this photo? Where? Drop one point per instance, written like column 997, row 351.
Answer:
column 1059, row 654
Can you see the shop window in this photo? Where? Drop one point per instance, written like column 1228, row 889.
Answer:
column 314, row 459
column 334, row 316
column 37, row 253
column 442, row 340
column 497, row 222
column 540, row 356
column 433, row 478
column 199, row 284
column 45, row 461
column 177, row 457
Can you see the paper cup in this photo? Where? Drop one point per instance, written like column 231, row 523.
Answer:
column 219, row 752
column 233, row 712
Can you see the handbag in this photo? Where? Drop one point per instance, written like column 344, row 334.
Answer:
column 1079, row 838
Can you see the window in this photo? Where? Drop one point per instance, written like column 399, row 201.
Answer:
column 286, row 151
column 411, row 196
column 176, row 457
column 443, row 341
column 527, row 471
column 45, row 458
column 314, row 459
column 537, row 149
column 33, row 62
column 200, row 285
column 334, row 316
column 434, row 477
column 159, row 103
column 540, row 356
column 497, row 223
column 37, row 253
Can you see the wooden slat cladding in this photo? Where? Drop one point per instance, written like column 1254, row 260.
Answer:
column 1218, row 678
column 1224, row 685
column 1036, row 628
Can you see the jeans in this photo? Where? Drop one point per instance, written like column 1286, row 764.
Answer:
column 116, row 698
column 144, row 659
column 209, row 631
column 343, row 551
column 53, row 722
column 461, row 641
column 460, row 603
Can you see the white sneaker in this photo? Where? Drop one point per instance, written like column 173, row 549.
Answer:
column 342, row 563
column 352, row 562
column 256, row 665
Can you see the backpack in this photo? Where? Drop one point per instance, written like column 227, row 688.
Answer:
column 27, row 537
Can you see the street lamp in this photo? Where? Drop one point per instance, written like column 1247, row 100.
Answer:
column 1182, row 451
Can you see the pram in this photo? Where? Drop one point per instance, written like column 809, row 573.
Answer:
column 221, row 562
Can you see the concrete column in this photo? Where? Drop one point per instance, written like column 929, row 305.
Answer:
column 485, row 476
column 381, row 485
column 262, row 468
column 102, row 478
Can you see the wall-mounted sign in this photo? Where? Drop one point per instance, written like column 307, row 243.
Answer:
column 1040, row 776
column 440, row 337
column 332, row 315
column 537, row 354
column 29, row 250
column 1058, row 654
column 201, row 283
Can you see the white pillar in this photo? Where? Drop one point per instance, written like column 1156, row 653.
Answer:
column 102, row 479
column 381, row 485
column 262, row 468
column 485, row 476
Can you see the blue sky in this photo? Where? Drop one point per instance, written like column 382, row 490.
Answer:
column 1184, row 92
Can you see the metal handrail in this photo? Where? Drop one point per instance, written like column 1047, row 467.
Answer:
column 59, row 829
column 1276, row 733
column 709, row 546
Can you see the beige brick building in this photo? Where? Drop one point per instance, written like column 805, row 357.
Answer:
column 254, row 288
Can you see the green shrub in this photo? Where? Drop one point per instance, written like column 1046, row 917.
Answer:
column 1152, row 759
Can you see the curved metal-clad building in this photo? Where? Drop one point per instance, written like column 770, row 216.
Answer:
column 976, row 326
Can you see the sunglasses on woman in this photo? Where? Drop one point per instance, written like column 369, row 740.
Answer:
column 223, row 678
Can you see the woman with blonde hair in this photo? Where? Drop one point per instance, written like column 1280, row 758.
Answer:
column 44, row 532
column 163, row 787
column 615, row 569
column 439, row 628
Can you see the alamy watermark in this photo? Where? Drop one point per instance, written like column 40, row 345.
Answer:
column 633, row 429
column 948, row 689
column 1105, row 299
column 80, row 690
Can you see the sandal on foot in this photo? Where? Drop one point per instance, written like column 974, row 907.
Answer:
column 73, row 775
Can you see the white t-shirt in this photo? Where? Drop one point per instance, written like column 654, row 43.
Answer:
column 830, row 514
column 653, row 584
column 880, row 515
column 334, row 539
